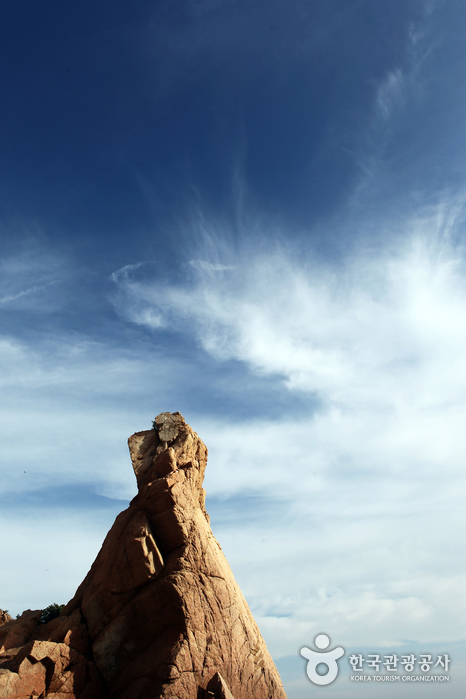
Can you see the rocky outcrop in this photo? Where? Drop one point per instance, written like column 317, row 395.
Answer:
column 47, row 660
column 159, row 614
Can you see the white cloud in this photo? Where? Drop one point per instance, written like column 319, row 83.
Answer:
column 204, row 266
column 384, row 330
column 27, row 276
column 390, row 93
column 124, row 272
column 373, row 476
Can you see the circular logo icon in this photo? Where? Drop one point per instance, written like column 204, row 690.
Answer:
column 328, row 658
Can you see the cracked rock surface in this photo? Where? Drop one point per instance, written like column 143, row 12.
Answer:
column 159, row 615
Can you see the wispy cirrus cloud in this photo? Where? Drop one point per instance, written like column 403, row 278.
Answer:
column 390, row 93
column 378, row 339
column 29, row 278
column 204, row 266
column 400, row 100
column 346, row 332
column 403, row 82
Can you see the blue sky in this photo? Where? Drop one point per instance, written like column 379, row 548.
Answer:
column 253, row 213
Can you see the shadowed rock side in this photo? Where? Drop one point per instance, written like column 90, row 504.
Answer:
column 4, row 617
column 159, row 614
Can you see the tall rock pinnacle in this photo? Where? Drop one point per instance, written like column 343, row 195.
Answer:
column 159, row 615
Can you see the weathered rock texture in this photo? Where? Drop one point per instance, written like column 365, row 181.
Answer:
column 159, row 614
column 48, row 660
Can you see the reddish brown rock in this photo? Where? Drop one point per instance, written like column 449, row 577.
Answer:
column 16, row 633
column 52, row 661
column 4, row 617
column 159, row 615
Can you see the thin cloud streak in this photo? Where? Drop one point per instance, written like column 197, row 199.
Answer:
column 26, row 292
column 390, row 93
column 25, row 278
column 204, row 266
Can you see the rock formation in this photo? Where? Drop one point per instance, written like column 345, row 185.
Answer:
column 159, row 615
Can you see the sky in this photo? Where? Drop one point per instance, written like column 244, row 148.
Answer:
column 252, row 213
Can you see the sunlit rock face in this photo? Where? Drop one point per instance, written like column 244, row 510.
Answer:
column 159, row 614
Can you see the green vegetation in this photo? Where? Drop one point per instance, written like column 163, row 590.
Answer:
column 50, row 612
